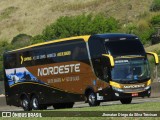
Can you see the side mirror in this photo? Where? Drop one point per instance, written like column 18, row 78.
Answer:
column 155, row 57
column 111, row 59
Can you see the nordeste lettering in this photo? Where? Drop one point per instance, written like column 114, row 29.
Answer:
column 63, row 69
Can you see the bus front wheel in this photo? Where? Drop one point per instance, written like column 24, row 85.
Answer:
column 92, row 99
column 126, row 100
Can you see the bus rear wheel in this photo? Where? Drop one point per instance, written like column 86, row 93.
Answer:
column 25, row 103
column 35, row 104
column 92, row 99
column 126, row 100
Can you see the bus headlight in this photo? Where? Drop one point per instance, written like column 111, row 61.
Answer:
column 146, row 88
column 117, row 89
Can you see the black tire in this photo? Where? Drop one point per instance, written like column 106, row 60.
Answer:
column 59, row 105
column 43, row 107
column 25, row 103
column 69, row 105
column 92, row 99
column 63, row 105
column 126, row 100
column 35, row 104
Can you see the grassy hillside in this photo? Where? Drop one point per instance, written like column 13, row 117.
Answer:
column 153, row 48
column 31, row 17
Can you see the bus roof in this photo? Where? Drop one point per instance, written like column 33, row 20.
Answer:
column 114, row 35
column 85, row 37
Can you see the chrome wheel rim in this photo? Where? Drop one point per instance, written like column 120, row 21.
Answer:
column 35, row 103
column 92, row 98
column 25, row 103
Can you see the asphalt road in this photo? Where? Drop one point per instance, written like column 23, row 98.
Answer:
column 4, row 107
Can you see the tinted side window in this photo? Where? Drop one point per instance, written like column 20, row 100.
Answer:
column 54, row 53
column 125, row 47
column 96, row 47
column 10, row 61
column 80, row 52
column 26, row 59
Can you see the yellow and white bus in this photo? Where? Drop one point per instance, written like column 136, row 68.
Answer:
column 91, row 68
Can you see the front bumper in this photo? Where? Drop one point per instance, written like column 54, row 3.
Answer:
column 116, row 95
column 131, row 90
column 119, row 95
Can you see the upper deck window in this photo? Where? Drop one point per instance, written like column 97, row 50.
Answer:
column 125, row 47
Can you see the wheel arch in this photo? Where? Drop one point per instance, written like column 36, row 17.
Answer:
column 87, row 90
column 34, row 94
column 22, row 95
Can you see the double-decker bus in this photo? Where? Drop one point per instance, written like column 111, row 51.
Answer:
column 92, row 68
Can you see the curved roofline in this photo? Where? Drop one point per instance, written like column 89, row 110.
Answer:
column 85, row 38
column 111, row 35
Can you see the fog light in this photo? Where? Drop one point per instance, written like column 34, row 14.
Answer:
column 117, row 94
column 117, row 89
column 146, row 88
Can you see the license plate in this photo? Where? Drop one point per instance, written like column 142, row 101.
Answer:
column 134, row 94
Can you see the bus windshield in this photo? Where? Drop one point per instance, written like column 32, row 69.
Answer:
column 128, row 70
column 125, row 47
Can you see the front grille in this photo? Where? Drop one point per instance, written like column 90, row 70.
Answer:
column 132, row 90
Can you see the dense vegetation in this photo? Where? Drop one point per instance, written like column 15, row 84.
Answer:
column 87, row 24
column 81, row 25
column 155, row 5
column 77, row 25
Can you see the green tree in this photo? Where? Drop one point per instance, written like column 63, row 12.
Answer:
column 145, row 35
column 130, row 28
column 155, row 21
column 78, row 25
column 37, row 39
column 155, row 5
column 4, row 46
column 21, row 40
